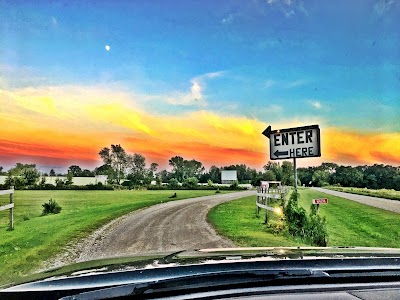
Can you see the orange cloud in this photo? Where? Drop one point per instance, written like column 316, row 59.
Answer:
column 361, row 147
column 68, row 124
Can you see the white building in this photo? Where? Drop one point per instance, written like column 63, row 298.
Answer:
column 75, row 180
column 228, row 176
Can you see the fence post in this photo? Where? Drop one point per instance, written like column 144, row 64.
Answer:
column 11, row 209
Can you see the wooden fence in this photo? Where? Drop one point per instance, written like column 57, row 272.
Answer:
column 267, row 194
column 9, row 206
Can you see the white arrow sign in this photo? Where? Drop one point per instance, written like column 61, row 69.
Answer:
column 296, row 142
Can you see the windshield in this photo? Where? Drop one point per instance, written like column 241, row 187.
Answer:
column 133, row 128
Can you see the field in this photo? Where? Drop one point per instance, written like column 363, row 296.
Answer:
column 237, row 221
column 37, row 238
column 382, row 193
column 349, row 223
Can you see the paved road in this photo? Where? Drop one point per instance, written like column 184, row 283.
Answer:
column 392, row 205
column 171, row 226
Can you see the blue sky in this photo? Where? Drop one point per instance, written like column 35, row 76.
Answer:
column 275, row 61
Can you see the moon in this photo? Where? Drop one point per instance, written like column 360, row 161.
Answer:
column 107, row 48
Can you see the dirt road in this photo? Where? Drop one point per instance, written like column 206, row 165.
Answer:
column 392, row 205
column 171, row 226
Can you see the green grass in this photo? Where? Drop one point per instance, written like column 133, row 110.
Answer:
column 237, row 220
column 349, row 223
column 37, row 238
column 382, row 193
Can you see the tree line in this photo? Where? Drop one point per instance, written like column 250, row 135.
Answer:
column 377, row 176
column 127, row 169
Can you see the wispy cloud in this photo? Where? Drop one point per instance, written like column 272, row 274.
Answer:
column 228, row 19
column 54, row 21
column 315, row 104
column 286, row 84
column 296, row 83
column 195, row 96
column 383, row 6
column 269, row 83
column 289, row 8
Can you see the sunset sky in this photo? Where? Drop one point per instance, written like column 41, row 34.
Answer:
column 199, row 79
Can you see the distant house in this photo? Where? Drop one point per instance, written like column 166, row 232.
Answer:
column 228, row 176
column 79, row 180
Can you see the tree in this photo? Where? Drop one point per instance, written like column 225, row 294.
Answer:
column 190, row 183
column 52, row 172
column 182, row 168
column 68, row 181
column 287, row 173
column 177, row 165
column 137, row 172
column 87, row 173
column 276, row 168
column 320, row 178
column 215, row 174
column 117, row 158
column 76, row 171
column 28, row 172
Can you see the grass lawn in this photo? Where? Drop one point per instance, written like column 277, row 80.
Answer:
column 349, row 223
column 382, row 193
column 237, row 220
column 37, row 238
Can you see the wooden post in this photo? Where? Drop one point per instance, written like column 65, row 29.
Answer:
column 258, row 199
column 317, row 208
column 295, row 174
column 11, row 209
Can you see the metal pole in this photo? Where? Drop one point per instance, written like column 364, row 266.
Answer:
column 11, row 209
column 295, row 174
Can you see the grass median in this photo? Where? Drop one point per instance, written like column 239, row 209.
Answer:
column 37, row 238
column 381, row 193
column 349, row 223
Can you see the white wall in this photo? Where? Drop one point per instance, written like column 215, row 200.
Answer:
column 228, row 175
column 75, row 180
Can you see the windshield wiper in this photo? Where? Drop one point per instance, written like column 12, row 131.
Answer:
column 198, row 281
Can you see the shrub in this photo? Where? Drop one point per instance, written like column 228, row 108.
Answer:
column 52, row 207
column 234, row 185
column 173, row 183
column 277, row 226
column 296, row 216
column 311, row 228
column 316, row 230
column 190, row 183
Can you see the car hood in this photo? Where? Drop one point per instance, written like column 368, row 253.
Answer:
column 207, row 256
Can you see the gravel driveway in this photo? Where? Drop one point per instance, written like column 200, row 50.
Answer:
column 170, row 226
column 392, row 205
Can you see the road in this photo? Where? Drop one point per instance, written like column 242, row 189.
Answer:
column 391, row 205
column 170, row 226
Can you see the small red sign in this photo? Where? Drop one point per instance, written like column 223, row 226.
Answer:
column 320, row 201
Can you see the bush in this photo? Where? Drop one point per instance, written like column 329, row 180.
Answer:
column 277, row 226
column 234, row 185
column 296, row 217
column 52, row 207
column 190, row 183
column 311, row 228
column 316, row 231
column 173, row 183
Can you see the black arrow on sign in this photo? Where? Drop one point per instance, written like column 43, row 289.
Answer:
column 267, row 131
column 279, row 153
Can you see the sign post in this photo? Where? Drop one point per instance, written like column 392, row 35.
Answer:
column 298, row 142
column 319, row 201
